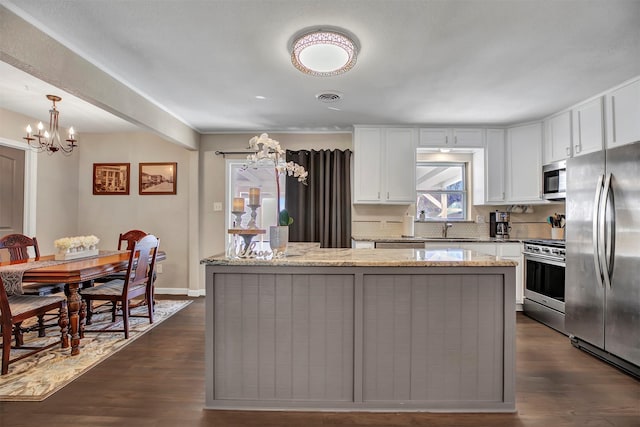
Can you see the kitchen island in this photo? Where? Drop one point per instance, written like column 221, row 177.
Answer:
column 361, row 330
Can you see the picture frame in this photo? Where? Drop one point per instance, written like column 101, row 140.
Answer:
column 111, row 179
column 159, row 178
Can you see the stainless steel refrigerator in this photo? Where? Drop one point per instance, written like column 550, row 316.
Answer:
column 602, row 277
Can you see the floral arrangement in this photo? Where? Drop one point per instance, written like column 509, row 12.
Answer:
column 76, row 243
column 269, row 151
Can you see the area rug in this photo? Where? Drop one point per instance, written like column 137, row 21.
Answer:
column 37, row 377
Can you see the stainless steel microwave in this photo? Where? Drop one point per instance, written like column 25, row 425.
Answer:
column 554, row 181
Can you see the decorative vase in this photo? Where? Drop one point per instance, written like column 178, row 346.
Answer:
column 278, row 239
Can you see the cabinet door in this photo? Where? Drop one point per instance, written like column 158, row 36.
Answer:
column 484, row 248
column 588, row 135
column 400, row 170
column 623, row 119
column 467, row 138
column 557, row 144
column 495, row 164
column 524, row 166
column 513, row 252
column 434, row 137
column 368, row 151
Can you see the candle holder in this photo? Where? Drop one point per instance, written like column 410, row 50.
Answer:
column 252, row 221
column 248, row 249
column 238, row 221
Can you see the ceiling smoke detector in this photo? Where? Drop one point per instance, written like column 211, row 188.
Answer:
column 329, row 97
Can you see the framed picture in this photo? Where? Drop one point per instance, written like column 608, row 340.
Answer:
column 158, row 178
column 111, row 178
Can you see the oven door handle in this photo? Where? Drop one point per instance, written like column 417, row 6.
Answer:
column 596, row 228
column 544, row 259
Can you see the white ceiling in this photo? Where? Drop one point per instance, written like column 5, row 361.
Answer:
column 445, row 62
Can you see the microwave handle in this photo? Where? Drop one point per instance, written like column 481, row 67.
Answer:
column 595, row 229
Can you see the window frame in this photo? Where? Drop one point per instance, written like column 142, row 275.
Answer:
column 465, row 192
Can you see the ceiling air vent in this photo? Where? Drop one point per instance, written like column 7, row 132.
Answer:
column 329, row 97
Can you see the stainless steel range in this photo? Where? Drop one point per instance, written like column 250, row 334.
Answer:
column 544, row 281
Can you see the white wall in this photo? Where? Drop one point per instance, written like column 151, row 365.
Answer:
column 57, row 185
column 166, row 216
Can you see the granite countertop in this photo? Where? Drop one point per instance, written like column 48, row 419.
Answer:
column 396, row 239
column 315, row 257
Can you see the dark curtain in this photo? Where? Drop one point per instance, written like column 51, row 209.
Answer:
column 321, row 210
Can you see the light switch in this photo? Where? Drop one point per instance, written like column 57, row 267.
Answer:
column 217, row 206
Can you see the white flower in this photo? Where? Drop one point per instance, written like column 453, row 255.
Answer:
column 269, row 151
column 63, row 243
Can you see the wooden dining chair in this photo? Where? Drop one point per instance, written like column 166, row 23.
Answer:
column 15, row 309
column 138, row 282
column 18, row 246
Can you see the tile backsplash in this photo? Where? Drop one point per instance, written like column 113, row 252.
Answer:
column 386, row 221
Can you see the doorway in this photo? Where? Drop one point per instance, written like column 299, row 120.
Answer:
column 18, row 177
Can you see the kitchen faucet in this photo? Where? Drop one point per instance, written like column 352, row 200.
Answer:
column 445, row 227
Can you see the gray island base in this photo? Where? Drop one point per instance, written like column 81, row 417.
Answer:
column 361, row 330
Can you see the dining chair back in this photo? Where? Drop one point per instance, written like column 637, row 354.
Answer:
column 18, row 246
column 138, row 282
column 130, row 238
column 15, row 309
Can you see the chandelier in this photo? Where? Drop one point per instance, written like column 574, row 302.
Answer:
column 50, row 140
column 323, row 53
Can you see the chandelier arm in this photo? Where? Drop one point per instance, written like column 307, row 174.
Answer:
column 50, row 141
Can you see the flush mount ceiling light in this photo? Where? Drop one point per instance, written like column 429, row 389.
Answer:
column 323, row 53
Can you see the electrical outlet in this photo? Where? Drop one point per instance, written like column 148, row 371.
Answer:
column 159, row 268
column 217, row 206
column 480, row 219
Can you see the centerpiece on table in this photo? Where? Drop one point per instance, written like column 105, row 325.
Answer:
column 76, row 247
column 268, row 151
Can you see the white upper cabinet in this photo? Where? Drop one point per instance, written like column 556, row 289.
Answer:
column 623, row 115
column 524, row 163
column 488, row 170
column 588, row 129
column 400, row 168
column 367, row 157
column 495, row 166
column 557, row 137
column 384, row 165
column 451, row 138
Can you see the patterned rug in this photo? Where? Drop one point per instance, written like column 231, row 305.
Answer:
column 37, row 377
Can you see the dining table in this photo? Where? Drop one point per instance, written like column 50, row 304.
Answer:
column 74, row 273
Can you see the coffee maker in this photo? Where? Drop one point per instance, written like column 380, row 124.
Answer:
column 499, row 225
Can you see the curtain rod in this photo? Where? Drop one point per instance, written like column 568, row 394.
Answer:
column 224, row 153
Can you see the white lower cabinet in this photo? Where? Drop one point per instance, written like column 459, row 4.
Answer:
column 362, row 244
column 511, row 251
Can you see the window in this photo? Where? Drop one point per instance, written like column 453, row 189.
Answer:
column 441, row 191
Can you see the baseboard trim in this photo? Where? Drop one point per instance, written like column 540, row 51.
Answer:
column 181, row 291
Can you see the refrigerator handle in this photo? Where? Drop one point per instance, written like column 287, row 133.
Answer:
column 596, row 227
column 609, row 260
column 602, row 232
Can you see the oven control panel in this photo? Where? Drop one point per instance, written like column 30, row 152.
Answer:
column 555, row 252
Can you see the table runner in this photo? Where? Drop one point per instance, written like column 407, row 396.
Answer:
column 12, row 274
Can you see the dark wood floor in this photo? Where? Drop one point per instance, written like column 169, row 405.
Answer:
column 158, row 380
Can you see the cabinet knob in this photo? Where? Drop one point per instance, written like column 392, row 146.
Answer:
column 568, row 151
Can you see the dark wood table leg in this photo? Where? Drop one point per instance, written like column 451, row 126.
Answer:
column 74, row 303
